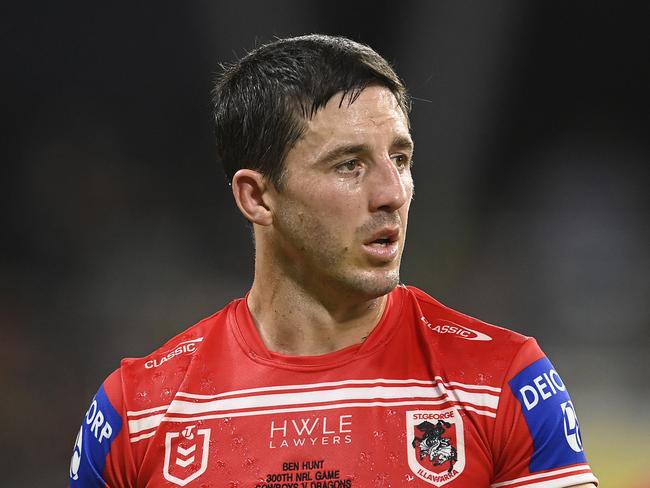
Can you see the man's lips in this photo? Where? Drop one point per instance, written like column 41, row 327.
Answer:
column 383, row 245
column 383, row 236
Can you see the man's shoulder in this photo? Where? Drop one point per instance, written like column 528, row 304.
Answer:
column 469, row 349
column 460, row 324
column 456, row 334
column 162, row 372
column 192, row 335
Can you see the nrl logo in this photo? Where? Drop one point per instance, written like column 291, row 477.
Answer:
column 186, row 455
column 436, row 452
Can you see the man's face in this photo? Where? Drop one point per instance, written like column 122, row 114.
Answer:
column 340, row 217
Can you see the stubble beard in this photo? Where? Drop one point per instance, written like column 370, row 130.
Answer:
column 316, row 258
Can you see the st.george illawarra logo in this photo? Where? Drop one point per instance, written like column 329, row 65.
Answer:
column 436, row 450
column 186, row 454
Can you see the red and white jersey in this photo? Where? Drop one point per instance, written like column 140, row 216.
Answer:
column 431, row 398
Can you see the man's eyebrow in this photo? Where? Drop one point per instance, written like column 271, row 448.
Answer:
column 400, row 142
column 403, row 142
column 344, row 150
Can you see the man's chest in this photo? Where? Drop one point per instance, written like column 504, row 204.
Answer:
column 337, row 434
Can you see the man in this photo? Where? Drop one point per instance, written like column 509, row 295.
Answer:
column 329, row 373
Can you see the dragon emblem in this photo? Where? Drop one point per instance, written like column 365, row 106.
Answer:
column 433, row 445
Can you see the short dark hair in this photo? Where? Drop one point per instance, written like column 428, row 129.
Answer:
column 262, row 102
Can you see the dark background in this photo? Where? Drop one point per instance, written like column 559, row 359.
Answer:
column 531, row 123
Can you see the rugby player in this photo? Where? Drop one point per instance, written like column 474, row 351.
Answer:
column 329, row 372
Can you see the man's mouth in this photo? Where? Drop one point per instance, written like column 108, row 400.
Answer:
column 384, row 237
column 383, row 245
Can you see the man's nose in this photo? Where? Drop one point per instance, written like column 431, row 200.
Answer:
column 390, row 186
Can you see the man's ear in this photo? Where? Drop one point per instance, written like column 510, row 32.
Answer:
column 251, row 192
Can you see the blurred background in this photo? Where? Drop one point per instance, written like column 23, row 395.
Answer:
column 531, row 122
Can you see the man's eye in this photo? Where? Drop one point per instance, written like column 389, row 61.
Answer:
column 348, row 166
column 401, row 160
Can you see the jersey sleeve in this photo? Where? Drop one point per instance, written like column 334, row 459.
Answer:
column 101, row 455
column 537, row 436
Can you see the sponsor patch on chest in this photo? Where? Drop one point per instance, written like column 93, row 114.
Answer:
column 311, row 431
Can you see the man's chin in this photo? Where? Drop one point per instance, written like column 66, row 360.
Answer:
column 375, row 285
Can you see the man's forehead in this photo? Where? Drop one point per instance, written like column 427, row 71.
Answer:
column 372, row 107
column 349, row 99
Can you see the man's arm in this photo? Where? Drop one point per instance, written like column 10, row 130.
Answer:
column 98, row 459
column 538, row 430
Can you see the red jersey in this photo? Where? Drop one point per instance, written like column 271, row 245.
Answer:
column 431, row 397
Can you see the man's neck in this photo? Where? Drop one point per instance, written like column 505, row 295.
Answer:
column 290, row 320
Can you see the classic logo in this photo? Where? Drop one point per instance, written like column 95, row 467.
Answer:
column 186, row 454
column 187, row 347
column 436, row 452
column 448, row 327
